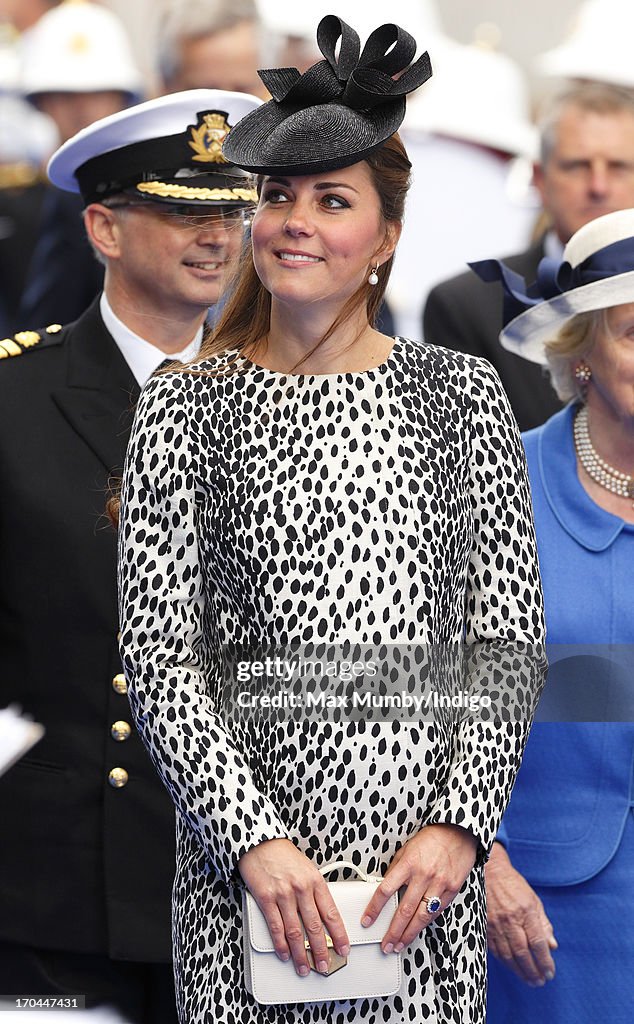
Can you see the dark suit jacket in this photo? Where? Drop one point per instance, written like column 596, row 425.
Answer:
column 83, row 866
column 465, row 314
column 20, row 225
column 64, row 276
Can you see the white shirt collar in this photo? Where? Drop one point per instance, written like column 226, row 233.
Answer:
column 553, row 248
column 141, row 356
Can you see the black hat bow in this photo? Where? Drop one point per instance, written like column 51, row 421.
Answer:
column 339, row 110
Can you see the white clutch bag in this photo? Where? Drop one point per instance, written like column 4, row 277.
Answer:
column 365, row 973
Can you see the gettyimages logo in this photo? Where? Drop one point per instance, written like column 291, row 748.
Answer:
column 385, row 682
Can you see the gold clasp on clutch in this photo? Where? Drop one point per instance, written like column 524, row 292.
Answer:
column 335, row 962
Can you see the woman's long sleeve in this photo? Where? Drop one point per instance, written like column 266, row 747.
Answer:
column 163, row 647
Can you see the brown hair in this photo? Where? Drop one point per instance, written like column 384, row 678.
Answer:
column 246, row 316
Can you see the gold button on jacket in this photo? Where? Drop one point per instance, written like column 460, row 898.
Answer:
column 120, row 731
column 119, row 684
column 118, row 778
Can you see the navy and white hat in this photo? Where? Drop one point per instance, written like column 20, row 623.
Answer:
column 168, row 150
column 596, row 272
column 339, row 111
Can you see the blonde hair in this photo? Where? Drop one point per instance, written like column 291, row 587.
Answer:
column 573, row 341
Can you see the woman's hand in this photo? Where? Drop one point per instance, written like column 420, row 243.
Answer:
column 434, row 862
column 518, row 931
column 294, row 898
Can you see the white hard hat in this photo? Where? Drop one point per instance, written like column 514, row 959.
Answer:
column 599, row 47
column 79, row 47
column 290, row 18
column 475, row 95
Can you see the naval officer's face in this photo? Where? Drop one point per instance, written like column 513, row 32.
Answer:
column 176, row 259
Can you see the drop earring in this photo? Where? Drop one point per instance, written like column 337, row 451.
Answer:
column 374, row 277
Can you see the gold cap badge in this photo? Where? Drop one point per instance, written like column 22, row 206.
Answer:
column 208, row 137
column 79, row 43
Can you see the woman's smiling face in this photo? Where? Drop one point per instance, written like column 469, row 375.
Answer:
column 611, row 360
column 317, row 236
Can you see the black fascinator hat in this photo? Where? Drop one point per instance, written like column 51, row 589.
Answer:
column 338, row 111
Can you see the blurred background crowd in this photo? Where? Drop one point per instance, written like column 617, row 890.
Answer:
column 471, row 134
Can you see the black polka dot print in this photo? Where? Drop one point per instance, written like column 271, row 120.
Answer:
column 389, row 506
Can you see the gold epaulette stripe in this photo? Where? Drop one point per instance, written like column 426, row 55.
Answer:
column 16, row 345
column 27, row 338
column 19, row 175
column 159, row 188
column 53, row 328
column 9, row 348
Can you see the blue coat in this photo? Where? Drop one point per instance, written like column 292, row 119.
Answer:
column 570, row 812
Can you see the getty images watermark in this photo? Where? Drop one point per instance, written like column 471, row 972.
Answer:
column 385, row 681
column 486, row 681
column 286, row 671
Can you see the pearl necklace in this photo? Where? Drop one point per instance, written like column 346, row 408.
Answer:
column 600, row 471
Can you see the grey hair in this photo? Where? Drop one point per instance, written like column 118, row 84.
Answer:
column 573, row 341
column 595, row 97
column 191, row 19
column 111, row 203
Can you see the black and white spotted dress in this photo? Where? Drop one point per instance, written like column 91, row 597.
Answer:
column 386, row 506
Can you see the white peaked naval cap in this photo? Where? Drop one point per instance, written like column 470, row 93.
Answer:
column 165, row 150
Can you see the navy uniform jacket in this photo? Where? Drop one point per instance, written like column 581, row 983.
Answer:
column 84, row 866
column 20, row 224
column 47, row 270
column 465, row 314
